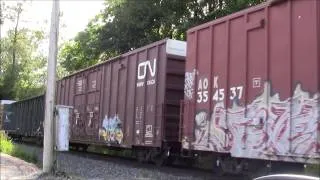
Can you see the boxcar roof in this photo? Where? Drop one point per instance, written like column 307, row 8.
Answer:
column 126, row 54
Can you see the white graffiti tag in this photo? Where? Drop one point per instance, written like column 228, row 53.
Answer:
column 189, row 84
column 267, row 128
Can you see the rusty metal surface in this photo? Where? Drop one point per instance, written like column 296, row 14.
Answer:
column 252, row 83
column 130, row 100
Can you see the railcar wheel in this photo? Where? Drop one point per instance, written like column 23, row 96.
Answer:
column 77, row 148
column 217, row 169
column 39, row 142
column 229, row 165
column 163, row 158
column 84, row 148
column 141, row 156
column 160, row 160
column 260, row 169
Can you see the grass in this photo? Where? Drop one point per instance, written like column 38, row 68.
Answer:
column 8, row 147
column 313, row 169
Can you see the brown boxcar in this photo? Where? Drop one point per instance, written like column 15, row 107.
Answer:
column 130, row 100
column 252, row 83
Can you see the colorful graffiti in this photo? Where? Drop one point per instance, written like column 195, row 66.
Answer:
column 267, row 128
column 111, row 130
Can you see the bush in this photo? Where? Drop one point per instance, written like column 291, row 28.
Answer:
column 8, row 147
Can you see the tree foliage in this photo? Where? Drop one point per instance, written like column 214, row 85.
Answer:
column 22, row 72
column 83, row 51
column 28, row 77
column 124, row 25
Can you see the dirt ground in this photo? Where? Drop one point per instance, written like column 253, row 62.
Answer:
column 14, row 168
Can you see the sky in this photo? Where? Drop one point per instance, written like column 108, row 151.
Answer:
column 37, row 15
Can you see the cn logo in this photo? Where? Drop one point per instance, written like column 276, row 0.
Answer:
column 146, row 66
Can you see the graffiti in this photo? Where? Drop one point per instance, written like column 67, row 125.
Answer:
column 267, row 128
column 201, row 132
column 189, row 83
column 111, row 130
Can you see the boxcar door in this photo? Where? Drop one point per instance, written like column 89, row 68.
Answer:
column 254, row 137
column 78, row 119
column 92, row 104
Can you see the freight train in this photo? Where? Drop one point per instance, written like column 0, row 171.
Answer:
column 243, row 89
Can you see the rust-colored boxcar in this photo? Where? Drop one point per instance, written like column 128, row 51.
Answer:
column 130, row 100
column 252, row 83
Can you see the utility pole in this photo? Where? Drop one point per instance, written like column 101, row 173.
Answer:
column 48, row 139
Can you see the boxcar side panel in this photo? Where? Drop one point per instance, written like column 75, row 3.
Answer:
column 189, row 92
column 122, row 96
column 27, row 117
column 93, row 103
column 106, row 98
column 318, row 45
column 120, row 102
column 130, row 115
column 141, row 97
column 305, row 80
column 252, row 87
column 160, row 77
column 134, row 93
column 79, row 107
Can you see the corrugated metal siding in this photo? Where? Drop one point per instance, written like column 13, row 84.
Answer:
column 124, row 99
column 27, row 117
column 254, row 82
column 318, row 30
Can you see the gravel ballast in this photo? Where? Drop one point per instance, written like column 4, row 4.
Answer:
column 83, row 166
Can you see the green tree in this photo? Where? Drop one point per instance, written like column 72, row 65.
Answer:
column 22, row 66
column 30, row 65
column 84, row 50
column 128, row 24
column 11, row 13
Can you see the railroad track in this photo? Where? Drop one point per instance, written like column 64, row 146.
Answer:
column 132, row 162
column 174, row 170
